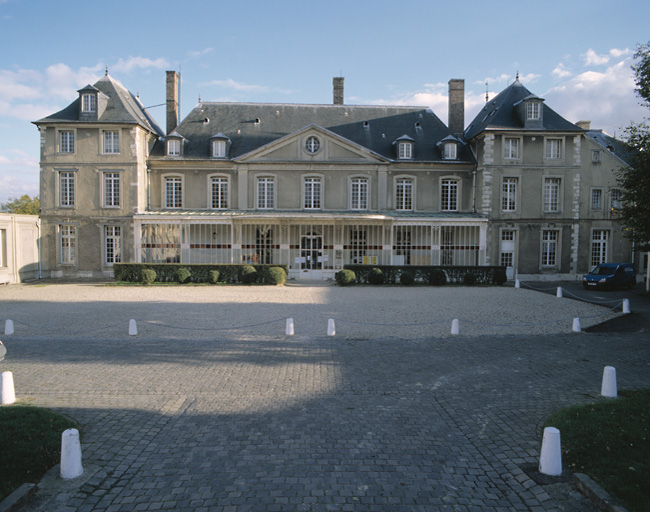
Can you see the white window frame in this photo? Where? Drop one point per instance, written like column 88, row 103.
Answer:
column 173, row 147
column 89, row 102
column 533, row 110
column 511, row 147
column 509, row 191
column 450, row 151
column 112, row 244
column 219, row 189
column 218, row 149
column 599, row 246
column 67, row 244
column 553, row 148
column 359, row 193
column 549, row 248
column 174, row 184
column 596, row 194
column 449, row 194
column 615, row 199
column 67, row 188
column 265, row 192
column 67, row 141
column 405, row 150
column 111, row 142
column 552, row 194
column 312, row 190
column 111, row 188
column 405, row 193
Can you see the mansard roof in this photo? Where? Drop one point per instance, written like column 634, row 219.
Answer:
column 500, row 114
column 122, row 107
column 250, row 126
column 614, row 146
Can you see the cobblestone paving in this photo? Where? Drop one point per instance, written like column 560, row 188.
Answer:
column 285, row 423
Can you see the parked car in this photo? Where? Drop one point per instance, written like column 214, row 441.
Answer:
column 611, row 275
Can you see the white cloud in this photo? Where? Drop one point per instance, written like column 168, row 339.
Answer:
column 63, row 82
column 239, row 86
column 18, row 175
column 503, row 78
column 561, row 71
column 199, row 53
column 593, row 59
column 133, row 63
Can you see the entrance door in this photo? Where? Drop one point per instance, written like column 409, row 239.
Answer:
column 507, row 250
column 311, row 256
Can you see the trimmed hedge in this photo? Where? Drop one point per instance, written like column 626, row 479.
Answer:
column 345, row 277
column 433, row 275
column 275, row 276
column 200, row 272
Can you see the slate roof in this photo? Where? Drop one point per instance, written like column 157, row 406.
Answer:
column 614, row 146
column 122, row 108
column 500, row 114
column 250, row 126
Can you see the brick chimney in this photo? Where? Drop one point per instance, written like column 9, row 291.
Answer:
column 585, row 125
column 457, row 106
column 337, row 82
column 173, row 79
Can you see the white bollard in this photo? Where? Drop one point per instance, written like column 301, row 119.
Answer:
column 289, row 329
column 517, row 283
column 626, row 306
column 608, row 387
column 133, row 328
column 576, row 325
column 455, row 327
column 7, row 388
column 9, row 326
column 559, row 292
column 550, row 460
column 331, row 327
column 71, row 466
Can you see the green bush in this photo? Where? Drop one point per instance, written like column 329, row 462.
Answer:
column 437, row 277
column 376, row 276
column 247, row 274
column 407, row 278
column 148, row 276
column 469, row 279
column 275, row 275
column 214, row 276
column 345, row 278
column 500, row 276
column 183, row 275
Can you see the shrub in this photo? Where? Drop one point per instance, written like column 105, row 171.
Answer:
column 247, row 274
column 345, row 278
column 275, row 275
column 437, row 277
column 500, row 276
column 469, row 279
column 406, row 278
column 148, row 276
column 183, row 275
column 214, row 276
column 375, row 276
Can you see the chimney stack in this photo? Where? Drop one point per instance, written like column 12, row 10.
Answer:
column 457, row 106
column 585, row 125
column 337, row 82
column 173, row 79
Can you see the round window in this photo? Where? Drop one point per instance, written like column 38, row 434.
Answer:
column 312, row 145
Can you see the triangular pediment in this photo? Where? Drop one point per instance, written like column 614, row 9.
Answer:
column 312, row 144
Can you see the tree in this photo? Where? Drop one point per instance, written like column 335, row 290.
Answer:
column 24, row 205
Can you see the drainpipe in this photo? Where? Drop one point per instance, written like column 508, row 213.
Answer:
column 148, row 188
column 40, row 255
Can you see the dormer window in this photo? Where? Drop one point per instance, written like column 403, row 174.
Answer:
column 174, row 147
column 219, row 145
column 450, row 151
column 405, row 150
column 88, row 103
column 533, row 110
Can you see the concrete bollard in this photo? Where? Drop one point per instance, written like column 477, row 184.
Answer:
column 455, row 326
column 517, row 285
column 289, row 328
column 7, row 388
column 559, row 292
column 626, row 306
column 133, row 328
column 331, row 327
column 9, row 326
column 71, row 466
column 608, row 387
column 550, row 460
column 576, row 325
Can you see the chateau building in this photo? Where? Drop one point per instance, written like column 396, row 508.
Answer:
column 316, row 187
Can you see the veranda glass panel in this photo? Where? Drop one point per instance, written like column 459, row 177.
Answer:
column 260, row 243
column 459, row 245
column 161, row 243
column 210, row 243
column 362, row 244
column 312, row 247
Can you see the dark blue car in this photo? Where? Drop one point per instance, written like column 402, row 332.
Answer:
column 610, row 276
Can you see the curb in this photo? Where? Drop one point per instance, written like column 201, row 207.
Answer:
column 17, row 498
column 596, row 494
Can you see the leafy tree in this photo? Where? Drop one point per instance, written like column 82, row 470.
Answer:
column 23, row 205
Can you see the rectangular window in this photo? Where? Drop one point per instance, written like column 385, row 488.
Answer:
column 511, row 149
column 507, row 259
column 174, row 192
column 312, row 193
column 595, row 156
column 596, row 199
column 359, row 194
column 111, row 142
column 111, row 189
column 615, row 199
column 113, row 244
column 405, row 150
column 68, row 239
column 599, row 246
column 549, row 248
column 450, row 151
column 66, row 188
column 265, row 192
column 509, row 194
column 173, row 147
column 449, row 195
column 553, row 149
column 532, row 110
column 552, row 195
column 219, row 148
column 66, row 143
column 404, row 194
column 219, row 193
column 88, row 103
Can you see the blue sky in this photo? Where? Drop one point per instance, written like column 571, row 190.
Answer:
column 576, row 54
